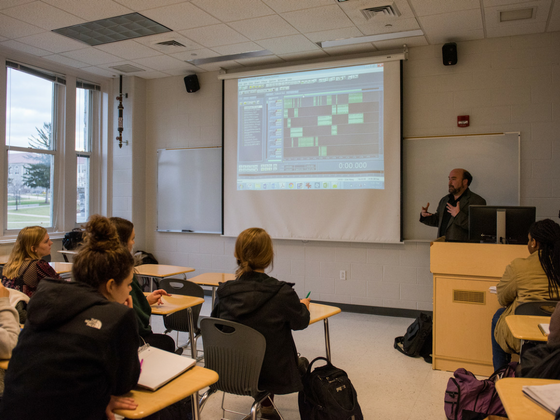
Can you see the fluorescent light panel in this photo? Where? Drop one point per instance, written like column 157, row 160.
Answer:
column 519, row 14
column 252, row 54
column 370, row 38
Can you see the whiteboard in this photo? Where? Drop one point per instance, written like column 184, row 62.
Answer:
column 492, row 160
column 189, row 190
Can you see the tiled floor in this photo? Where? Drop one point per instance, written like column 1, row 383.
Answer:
column 390, row 386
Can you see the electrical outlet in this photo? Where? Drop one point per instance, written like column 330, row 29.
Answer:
column 342, row 274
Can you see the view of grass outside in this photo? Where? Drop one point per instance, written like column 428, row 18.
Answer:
column 31, row 210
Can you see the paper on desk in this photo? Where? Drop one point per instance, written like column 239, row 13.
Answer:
column 547, row 396
column 492, row 289
column 545, row 329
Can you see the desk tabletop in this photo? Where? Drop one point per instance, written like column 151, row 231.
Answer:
column 4, row 259
column 212, row 279
column 526, row 327
column 519, row 406
column 175, row 303
column 67, row 252
column 188, row 383
column 319, row 312
column 61, row 267
column 4, row 363
column 161, row 270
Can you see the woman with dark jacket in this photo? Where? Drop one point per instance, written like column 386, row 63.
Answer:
column 79, row 347
column 268, row 305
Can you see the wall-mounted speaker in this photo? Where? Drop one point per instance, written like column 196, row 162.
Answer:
column 191, row 83
column 449, row 54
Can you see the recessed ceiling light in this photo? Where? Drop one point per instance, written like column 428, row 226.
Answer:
column 520, row 14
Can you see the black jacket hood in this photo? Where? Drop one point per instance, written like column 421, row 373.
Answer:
column 57, row 301
column 248, row 293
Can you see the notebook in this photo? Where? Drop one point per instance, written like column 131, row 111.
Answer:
column 159, row 366
column 547, row 396
column 545, row 329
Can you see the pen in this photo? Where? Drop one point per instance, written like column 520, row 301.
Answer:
column 307, row 295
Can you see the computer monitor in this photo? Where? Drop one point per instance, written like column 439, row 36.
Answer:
column 487, row 224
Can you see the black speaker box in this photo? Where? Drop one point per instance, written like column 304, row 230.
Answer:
column 191, row 83
column 449, row 54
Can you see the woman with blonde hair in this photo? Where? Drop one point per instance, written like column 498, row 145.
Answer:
column 79, row 347
column 268, row 305
column 25, row 266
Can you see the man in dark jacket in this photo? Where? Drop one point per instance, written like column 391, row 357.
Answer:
column 452, row 215
column 273, row 308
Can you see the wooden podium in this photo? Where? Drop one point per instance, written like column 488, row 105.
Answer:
column 463, row 304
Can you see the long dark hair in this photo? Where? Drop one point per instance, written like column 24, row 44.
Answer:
column 124, row 229
column 547, row 233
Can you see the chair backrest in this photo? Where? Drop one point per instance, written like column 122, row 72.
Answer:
column 178, row 320
column 538, row 308
column 236, row 352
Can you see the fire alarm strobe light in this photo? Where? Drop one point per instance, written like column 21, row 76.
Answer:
column 462, row 121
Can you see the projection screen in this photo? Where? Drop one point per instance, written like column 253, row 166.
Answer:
column 313, row 152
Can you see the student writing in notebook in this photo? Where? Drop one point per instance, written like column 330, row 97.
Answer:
column 268, row 305
column 78, row 349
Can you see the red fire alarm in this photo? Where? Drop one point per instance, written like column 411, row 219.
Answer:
column 462, row 121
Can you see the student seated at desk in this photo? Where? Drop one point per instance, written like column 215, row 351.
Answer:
column 536, row 277
column 269, row 306
column 141, row 303
column 9, row 329
column 79, row 347
column 25, row 266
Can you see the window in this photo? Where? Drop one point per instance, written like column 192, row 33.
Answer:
column 84, row 132
column 30, row 118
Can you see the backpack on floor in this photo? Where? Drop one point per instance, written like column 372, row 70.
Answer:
column 328, row 394
column 73, row 239
column 468, row 398
column 418, row 339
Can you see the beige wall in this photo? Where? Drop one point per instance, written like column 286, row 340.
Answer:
column 504, row 84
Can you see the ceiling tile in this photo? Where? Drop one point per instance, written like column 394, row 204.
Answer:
column 374, row 27
column 13, row 28
column 99, row 71
column 309, row 55
column 288, row 44
column 154, row 40
column 437, row 7
column 19, row 46
column 146, row 4
column 181, row 16
column 163, row 62
column 182, row 72
column 214, row 35
column 90, row 10
column 43, row 15
column 59, row 59
column 195, row 54
column 260, row 61
column 318, row 19
column 92, row 56
column 415, row 41
column 128, row 49
column 458, row 26
column 4, row 4
column 554, row 22
column 350, row 49
column 517, row 29
column 231, row 10
column 53, row 42
column 237, row 48
column 354, row 10
column 264, row 27
column 334, row 34
column 491, row 3
column 282, row 6
column 152, row 74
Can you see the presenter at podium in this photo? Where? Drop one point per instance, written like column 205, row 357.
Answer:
column 452, row 215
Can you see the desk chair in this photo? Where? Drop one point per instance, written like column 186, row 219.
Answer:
column 236, row 353
column 178, row 321
column 537, row 308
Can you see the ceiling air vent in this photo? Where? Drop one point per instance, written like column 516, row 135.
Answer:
column 127, row 68
column 171, row 43
column 389, row 10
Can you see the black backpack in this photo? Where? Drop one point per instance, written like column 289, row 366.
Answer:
column 73, row 239
column 418, row 339
column 328, row 394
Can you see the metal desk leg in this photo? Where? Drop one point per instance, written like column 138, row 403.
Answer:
column 195, row 396
column 214, row 288
column 195, row 407
column 327, row 339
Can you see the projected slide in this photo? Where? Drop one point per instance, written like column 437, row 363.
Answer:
column 320, row 129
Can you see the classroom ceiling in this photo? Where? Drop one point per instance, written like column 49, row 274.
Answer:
column 289, row 29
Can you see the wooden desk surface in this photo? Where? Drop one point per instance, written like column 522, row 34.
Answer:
column 161, row 270
column 65, row 251
column 212, row 279
column 175, row 303
column 4, row 363
column 188, row 383
column 61, row 267
column 526, row 327
column 4, row 259
column 319, row 312
column 517, row 405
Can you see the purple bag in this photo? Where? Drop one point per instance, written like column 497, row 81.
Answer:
column 468, row 398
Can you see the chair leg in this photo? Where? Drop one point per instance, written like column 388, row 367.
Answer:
column 205, row 397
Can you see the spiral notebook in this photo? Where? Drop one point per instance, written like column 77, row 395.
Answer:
column 158, row 367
